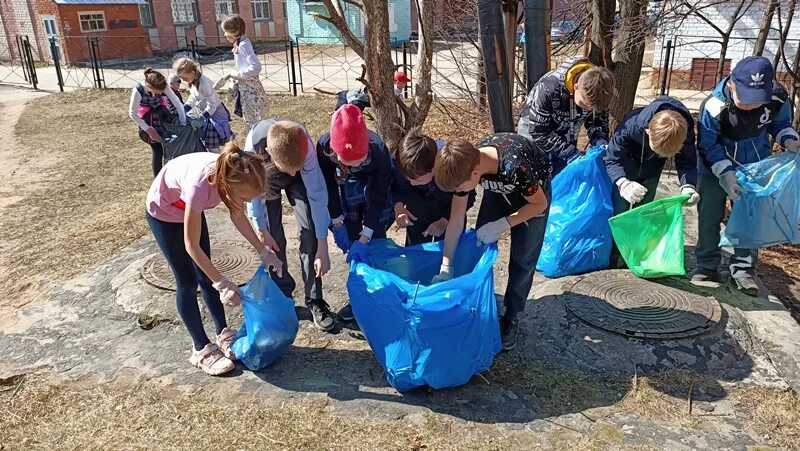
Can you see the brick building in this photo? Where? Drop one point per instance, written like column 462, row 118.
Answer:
column 129, row 29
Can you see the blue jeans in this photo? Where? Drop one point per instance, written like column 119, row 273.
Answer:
column 711, row 212
column 188, row 275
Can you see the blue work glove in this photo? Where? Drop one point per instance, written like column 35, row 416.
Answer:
column 207, row 115
column 340, row 238
column 358, row 252
column 187, row 108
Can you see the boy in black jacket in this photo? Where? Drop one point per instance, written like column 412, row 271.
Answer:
column 642, row 143
column 573, row 95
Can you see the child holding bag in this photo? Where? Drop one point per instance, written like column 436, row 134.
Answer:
column 217, row 128
column 150, row 108
column 180, row 193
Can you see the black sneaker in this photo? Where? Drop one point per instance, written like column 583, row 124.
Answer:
column 509, row 330
column 747, row 285
column 321, row 314
column 706, row 276
column 346, row 313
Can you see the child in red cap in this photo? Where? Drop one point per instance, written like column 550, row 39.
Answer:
column 358, row 171
column 400, row 82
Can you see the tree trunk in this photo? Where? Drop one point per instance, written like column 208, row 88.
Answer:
column 423, row 95
column 764, row 28
column 510, row 24
column 602, row 32
column 628, row 56
column 784, row 32
column 723, row 51
column 380, row 67
column 480, row 87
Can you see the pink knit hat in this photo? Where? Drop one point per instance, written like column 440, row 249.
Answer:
column 349, row 136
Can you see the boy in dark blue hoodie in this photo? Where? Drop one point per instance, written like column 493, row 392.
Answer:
column 642, row 143
column 737, row 124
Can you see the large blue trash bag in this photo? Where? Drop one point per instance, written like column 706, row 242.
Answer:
column 270, row 323
column 438, row 335
column 768, row 211
column 578, row 238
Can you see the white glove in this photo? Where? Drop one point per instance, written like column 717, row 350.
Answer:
column 229, row 292
column 270, row 260
column 445, row 273
column 492, row 231
column 731, row 186
column 631, row 191
column 688, row 190
column 792, row 145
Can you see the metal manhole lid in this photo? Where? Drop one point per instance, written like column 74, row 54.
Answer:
column 236, row 261
column 623, row 303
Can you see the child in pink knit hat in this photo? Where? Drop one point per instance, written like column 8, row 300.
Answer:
column 358, row 171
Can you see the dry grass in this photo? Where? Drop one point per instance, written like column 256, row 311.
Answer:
column 38, row 414
column 774, row 415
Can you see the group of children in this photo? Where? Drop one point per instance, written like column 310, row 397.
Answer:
column 350, row 184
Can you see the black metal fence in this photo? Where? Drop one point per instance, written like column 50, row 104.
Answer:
column 17, row 65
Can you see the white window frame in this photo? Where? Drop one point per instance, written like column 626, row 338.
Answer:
column 233, row 6
column 268, row 4
column 186, row 6
column 151, row 21
column 91, row 13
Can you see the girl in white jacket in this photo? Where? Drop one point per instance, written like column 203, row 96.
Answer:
column 252, row 103
column 202, row 95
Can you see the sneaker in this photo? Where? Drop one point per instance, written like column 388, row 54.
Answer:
column 211, row 360
column 224, row 342
column 321, row 314
column 346, row 313
column 509, row 330
column 747, row 285
column 706, row 276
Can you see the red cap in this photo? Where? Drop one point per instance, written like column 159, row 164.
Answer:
column 401, row 76
column 349, row 136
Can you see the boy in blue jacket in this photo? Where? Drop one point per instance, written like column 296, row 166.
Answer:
column 420, row 206
column 642, row 143
column 736, row 123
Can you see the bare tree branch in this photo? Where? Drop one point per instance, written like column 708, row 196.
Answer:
column 336, row 17
column 693, row 10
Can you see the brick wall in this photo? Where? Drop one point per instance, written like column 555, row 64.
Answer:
column 688, row 34
column 162, row 14
column 123, row 39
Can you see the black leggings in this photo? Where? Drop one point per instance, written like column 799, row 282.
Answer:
column 158, row 158
column 188, row 276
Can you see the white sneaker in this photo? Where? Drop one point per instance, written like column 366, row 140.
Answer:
column 224, row 342
column 211, row 360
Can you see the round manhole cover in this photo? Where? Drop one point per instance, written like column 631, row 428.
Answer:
column 623, row 303
column 234, row 260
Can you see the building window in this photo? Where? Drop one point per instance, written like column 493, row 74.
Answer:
column 185, row 11
column 146, row 14
column 92, row 21
column 225, row 8
column 262, row 10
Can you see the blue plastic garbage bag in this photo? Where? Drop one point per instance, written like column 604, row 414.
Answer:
column 578, row 238
column 768, row 212
column 438, row 335
column 270, row 323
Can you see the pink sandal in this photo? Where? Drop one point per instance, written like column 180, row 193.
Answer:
column 225, row 340
column 211, row 360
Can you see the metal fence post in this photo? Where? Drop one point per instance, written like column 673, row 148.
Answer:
column 405, row 68
column 26, row 44
column 292, row 74
column 299, row 65
column 57, row 63
column 193, row 46
column 665, row 70
column 21, row 57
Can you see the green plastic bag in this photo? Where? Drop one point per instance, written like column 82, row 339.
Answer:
column 650, row 237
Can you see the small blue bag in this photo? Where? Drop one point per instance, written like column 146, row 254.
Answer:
column 270, row 323
column 438, row 335
column 578, row 238
column 768, row 212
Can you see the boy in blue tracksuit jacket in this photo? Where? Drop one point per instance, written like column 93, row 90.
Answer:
column 420, row 206
column 642, row 143
column 735, row 126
